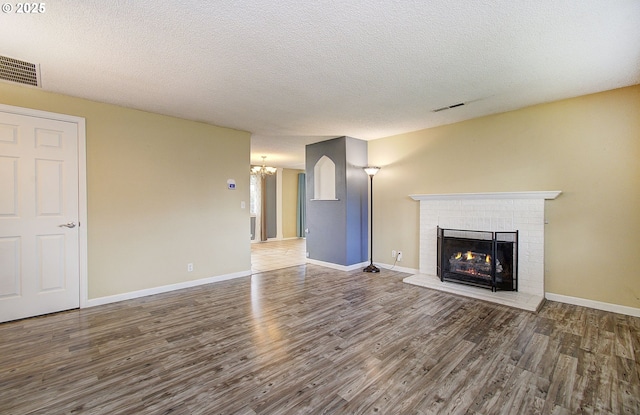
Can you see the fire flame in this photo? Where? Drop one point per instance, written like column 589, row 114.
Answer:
column 468, row 256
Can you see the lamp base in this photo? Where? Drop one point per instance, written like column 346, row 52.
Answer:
column 371, row 268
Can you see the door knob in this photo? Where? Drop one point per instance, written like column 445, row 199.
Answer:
column 68, row 225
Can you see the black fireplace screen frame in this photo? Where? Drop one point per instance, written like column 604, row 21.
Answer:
column 498, row 245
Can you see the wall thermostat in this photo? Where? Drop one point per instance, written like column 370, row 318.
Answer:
column 231, row 184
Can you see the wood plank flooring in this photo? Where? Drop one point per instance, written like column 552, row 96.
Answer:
column 310, row 340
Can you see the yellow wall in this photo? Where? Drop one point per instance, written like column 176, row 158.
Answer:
column 289, row 202
column 588, row 147
column 157, row 189
column 157, row 196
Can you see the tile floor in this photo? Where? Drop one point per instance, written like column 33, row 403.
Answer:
column 267, row 256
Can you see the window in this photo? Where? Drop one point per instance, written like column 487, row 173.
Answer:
column 254, row 194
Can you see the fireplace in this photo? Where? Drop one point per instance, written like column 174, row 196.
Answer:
column 491, row 212
column 480, row 258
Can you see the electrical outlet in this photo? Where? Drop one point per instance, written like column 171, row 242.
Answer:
column 399, row 257
column 189, row 267
column 393, row 253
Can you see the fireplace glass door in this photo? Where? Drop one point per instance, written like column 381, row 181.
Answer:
column 480, row 258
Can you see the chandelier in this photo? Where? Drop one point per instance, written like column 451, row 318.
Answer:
column 263, row 170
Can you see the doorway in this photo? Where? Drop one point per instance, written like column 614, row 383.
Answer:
column 282, row 245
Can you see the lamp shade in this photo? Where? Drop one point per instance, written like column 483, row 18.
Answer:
column 371, row 170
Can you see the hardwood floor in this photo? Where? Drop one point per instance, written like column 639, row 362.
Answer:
column 310, row 340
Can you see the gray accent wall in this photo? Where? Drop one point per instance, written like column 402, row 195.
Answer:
column 338, row 231
column 357, row 201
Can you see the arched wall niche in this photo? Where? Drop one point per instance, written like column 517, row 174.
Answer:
column 324, row 179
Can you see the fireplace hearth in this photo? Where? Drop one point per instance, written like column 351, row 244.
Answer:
column 479, row 258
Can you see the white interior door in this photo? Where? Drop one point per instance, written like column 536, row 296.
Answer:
column 39, row 240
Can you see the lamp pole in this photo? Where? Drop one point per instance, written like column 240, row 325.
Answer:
column 371, row 171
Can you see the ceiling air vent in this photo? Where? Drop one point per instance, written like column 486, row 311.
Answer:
column 21, row 72
column 449, row 107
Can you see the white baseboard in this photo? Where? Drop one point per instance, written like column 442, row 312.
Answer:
column 598, row 305
column 360, row 265
column 289, row 238
column 163, row 289
column 337, row 266
column 399, row 269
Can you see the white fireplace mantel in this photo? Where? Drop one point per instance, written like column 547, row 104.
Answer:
column 498, row 211
column 547, row 195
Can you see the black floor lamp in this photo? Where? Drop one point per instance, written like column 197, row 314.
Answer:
column 371, row 171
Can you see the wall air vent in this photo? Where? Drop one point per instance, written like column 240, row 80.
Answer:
column 21, row 72
column 449, row 107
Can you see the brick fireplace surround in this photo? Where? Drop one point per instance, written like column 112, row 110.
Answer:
column 508, row 211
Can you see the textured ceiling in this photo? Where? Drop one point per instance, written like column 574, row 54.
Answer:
column 292, row 72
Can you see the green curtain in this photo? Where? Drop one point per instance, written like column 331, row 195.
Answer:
column 301, row 222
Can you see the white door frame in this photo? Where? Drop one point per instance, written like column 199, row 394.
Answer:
column 82, row 186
